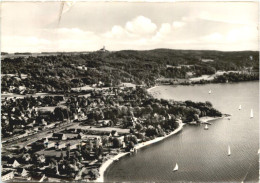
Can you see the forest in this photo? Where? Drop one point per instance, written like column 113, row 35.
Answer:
column 62, row 72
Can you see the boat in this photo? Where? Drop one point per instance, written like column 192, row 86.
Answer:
column 206, row 127
column 229, row 151
column 209, row 91
column 175, row 168
column 240, row 107
column 251, row 113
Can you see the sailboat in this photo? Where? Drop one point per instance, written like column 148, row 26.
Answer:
column 251, row 113
column 240, row 107
column 206, row 127
column 229, row 151
column 176, row 168
column 209, row 91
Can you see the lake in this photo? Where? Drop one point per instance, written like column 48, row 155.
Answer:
column 202, row 154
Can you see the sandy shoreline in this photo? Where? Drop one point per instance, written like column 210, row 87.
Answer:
column 149, row 89
column 105, row 165
column 207, row 119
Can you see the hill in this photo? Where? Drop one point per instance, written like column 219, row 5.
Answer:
column 64, row 71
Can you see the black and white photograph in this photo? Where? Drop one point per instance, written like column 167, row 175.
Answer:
column 129, row 91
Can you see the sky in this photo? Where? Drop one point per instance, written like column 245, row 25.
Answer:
column 88, row 26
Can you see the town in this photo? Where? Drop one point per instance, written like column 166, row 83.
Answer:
column 68, row 116
column 69, row 137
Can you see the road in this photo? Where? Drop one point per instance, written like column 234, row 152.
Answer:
column 32, row 138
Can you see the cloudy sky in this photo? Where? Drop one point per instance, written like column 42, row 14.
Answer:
column 87, row 26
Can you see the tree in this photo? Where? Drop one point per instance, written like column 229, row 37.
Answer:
column 105, row 140
column 116, row 143
column 133, row 139
column 58, row 113
column 131, row 145
column 98, row 152
column 208, row 104
column 90, row 146
column 61, row 156
column 138, row 127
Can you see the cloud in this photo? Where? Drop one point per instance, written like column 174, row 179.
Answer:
column 214, row 37
column 178, row 24
column 116, row 32
column 164, row 30
column 139, row 33
column 244, row 33
column 136, row 28
column 141, row 25
column 237, row 35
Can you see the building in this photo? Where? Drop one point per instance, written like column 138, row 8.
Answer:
column 104, row 122
column 22, row 172
column 207, row 60
column 13, row 163
column 59, row 136
column 8, row 175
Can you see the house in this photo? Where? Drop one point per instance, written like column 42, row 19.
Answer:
column 60, row 146
column 189, row 74
column 8, row 175
column 59, row 136
column 104, row 122
column 207, row 60
column 49, row 144
column 26, row 157
column 13, row 163
column 41, row 159
column 75, row 116
column 52, row 125
column 113, row 133
column 22, row 172
column 73, row 145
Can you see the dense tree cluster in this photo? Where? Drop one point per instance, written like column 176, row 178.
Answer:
column 235, row 77
column 63, row 72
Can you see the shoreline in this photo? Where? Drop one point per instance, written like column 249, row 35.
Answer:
column 107, row 163
column 207, row 119
column 149, row 89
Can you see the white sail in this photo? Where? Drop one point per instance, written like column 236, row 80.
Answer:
column 229, row 151
column 206, row 127
column 240, row 107
column 209, row 91
column 251, row 113
column 258, row 151
column 176, row 167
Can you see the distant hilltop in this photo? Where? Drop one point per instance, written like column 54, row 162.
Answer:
column 205, row 56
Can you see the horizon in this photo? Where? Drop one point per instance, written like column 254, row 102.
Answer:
column 130, row 50
column 81, row 26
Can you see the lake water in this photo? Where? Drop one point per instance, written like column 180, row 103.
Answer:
column 202, row 154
